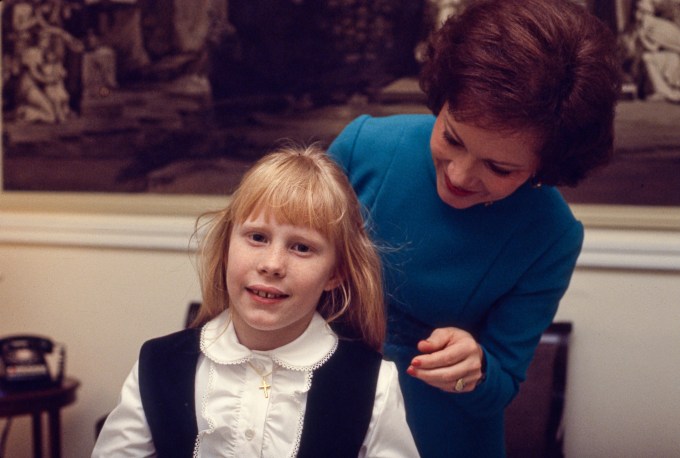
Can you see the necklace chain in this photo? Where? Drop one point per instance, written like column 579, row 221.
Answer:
column 264, row 386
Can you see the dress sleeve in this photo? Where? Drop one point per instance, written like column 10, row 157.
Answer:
column 388, row 433
column 126, row 433
column 516, row 322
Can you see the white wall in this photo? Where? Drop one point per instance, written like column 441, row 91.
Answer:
column 102, row 284
column 102, row 302
column 623, row 395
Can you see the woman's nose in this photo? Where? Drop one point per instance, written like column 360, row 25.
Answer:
column 461, row 172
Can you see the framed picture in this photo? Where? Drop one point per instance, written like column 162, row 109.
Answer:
column 129, row 105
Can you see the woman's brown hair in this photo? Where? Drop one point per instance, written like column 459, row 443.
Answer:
column 546, row 66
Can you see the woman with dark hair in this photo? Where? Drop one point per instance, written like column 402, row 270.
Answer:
column 523, row 95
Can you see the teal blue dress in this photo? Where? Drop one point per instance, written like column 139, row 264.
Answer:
column 497, row 271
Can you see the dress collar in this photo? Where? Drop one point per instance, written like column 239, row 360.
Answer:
column 315, row 345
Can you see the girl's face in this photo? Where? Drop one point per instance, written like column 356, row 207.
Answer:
column 276, row 274
column 476, row 165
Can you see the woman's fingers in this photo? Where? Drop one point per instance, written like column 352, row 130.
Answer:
column 451, row 361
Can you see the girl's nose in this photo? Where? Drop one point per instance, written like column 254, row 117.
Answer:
column 272, row 263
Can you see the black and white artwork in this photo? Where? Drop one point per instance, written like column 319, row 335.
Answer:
column 646, row 165
column 181, row 96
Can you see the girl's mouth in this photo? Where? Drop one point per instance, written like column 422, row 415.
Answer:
column 266, row 294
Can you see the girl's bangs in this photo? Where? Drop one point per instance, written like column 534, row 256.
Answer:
column 308, row 204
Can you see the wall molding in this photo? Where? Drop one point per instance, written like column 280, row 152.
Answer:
column 610, row 248
column 637, row 249
column 153, row 232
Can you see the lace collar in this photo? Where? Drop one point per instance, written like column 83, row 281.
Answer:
column 308, row 352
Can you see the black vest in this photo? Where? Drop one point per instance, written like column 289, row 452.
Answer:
column 339, row 402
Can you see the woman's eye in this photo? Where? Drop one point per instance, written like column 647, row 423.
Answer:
column 451, row 140
column 498, row 170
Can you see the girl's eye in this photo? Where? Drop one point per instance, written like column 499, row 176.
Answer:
column 302, row 248
column 498, row 170
column 257, row 237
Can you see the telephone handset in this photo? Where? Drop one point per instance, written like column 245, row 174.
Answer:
column 23, row 364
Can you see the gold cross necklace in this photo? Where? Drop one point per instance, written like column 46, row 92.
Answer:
column 264, row 386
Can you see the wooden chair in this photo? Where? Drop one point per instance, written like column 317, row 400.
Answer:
column 533, row 420
column 192, row 311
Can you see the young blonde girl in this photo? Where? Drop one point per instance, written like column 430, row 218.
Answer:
column 305, row 188
column 283, row 357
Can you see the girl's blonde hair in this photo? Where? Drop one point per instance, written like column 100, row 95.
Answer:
column 302, row 186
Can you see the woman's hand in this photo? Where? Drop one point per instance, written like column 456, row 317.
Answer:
column 452, row 361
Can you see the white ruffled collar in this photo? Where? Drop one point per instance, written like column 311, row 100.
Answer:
column 317, row 343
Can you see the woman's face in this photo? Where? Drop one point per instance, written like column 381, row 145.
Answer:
column 475, row 165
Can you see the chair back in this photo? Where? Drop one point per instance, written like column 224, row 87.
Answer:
column 533, row 420
column 192, row 311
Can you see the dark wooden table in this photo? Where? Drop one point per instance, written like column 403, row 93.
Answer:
column 35, row 403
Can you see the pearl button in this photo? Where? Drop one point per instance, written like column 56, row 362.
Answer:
column 250, row 434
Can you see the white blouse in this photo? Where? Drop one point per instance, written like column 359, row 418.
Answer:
column 236, row 419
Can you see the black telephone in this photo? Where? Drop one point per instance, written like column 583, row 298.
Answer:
column 23, row 364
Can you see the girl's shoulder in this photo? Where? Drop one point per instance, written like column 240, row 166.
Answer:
column 354, row 348
column 186, row 340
